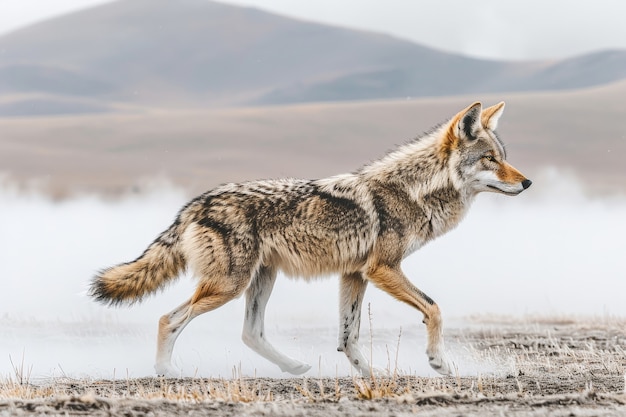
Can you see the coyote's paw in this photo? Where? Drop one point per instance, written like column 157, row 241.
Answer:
column 375, row 371
column 295, row 367
column 166, row 370
column 441, row 363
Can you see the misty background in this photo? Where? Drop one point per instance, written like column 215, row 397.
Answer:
column 112, row 116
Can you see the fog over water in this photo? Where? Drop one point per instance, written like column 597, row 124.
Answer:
column 549, row 251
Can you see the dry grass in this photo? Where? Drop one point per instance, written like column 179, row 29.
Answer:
column 195, row 390
column 569, row 349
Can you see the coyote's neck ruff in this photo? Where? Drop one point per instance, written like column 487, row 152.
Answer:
column 361, row 225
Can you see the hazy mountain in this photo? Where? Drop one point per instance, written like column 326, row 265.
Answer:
column 166, row 53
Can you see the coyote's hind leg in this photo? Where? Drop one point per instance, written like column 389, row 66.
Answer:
column 253, row 334
column 170, row 326
column 173, row 323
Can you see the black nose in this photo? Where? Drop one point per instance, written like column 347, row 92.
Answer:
column 526, row 183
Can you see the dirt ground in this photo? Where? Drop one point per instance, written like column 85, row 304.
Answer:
column 564, row 367
column 118, row 153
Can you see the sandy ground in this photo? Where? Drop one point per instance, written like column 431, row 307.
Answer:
column 558, row 367
column 198, row 149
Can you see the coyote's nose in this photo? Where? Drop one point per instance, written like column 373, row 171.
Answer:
column 526, row 183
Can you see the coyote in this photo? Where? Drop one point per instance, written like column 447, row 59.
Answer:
column 361, row 226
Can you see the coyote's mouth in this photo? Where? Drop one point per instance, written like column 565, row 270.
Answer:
column 500, row 190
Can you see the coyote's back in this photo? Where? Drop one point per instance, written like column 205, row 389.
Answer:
column 360, row 225
column 232, row 230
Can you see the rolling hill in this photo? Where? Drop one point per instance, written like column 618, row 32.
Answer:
column 165, row 54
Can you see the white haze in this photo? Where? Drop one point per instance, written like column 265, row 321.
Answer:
column 549, row 251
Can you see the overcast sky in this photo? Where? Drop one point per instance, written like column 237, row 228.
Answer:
column 512, row 29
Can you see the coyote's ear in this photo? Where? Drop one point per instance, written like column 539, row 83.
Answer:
column 491, row 115
column 469, row 123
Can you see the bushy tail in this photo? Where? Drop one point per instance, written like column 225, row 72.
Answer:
column 130, row 282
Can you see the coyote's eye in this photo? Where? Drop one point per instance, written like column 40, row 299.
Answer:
column 490, row 158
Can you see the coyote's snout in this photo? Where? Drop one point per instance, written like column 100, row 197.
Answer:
column 360, row 226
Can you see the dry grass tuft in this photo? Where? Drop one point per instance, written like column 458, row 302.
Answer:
column 10, row 389
column 378, row 387
column 19, row 385
column 238, row 390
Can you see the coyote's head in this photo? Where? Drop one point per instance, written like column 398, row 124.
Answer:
column 477, row 156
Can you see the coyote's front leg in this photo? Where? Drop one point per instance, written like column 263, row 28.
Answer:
column 394, row 282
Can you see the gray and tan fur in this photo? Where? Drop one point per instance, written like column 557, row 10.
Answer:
column 361, row 226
